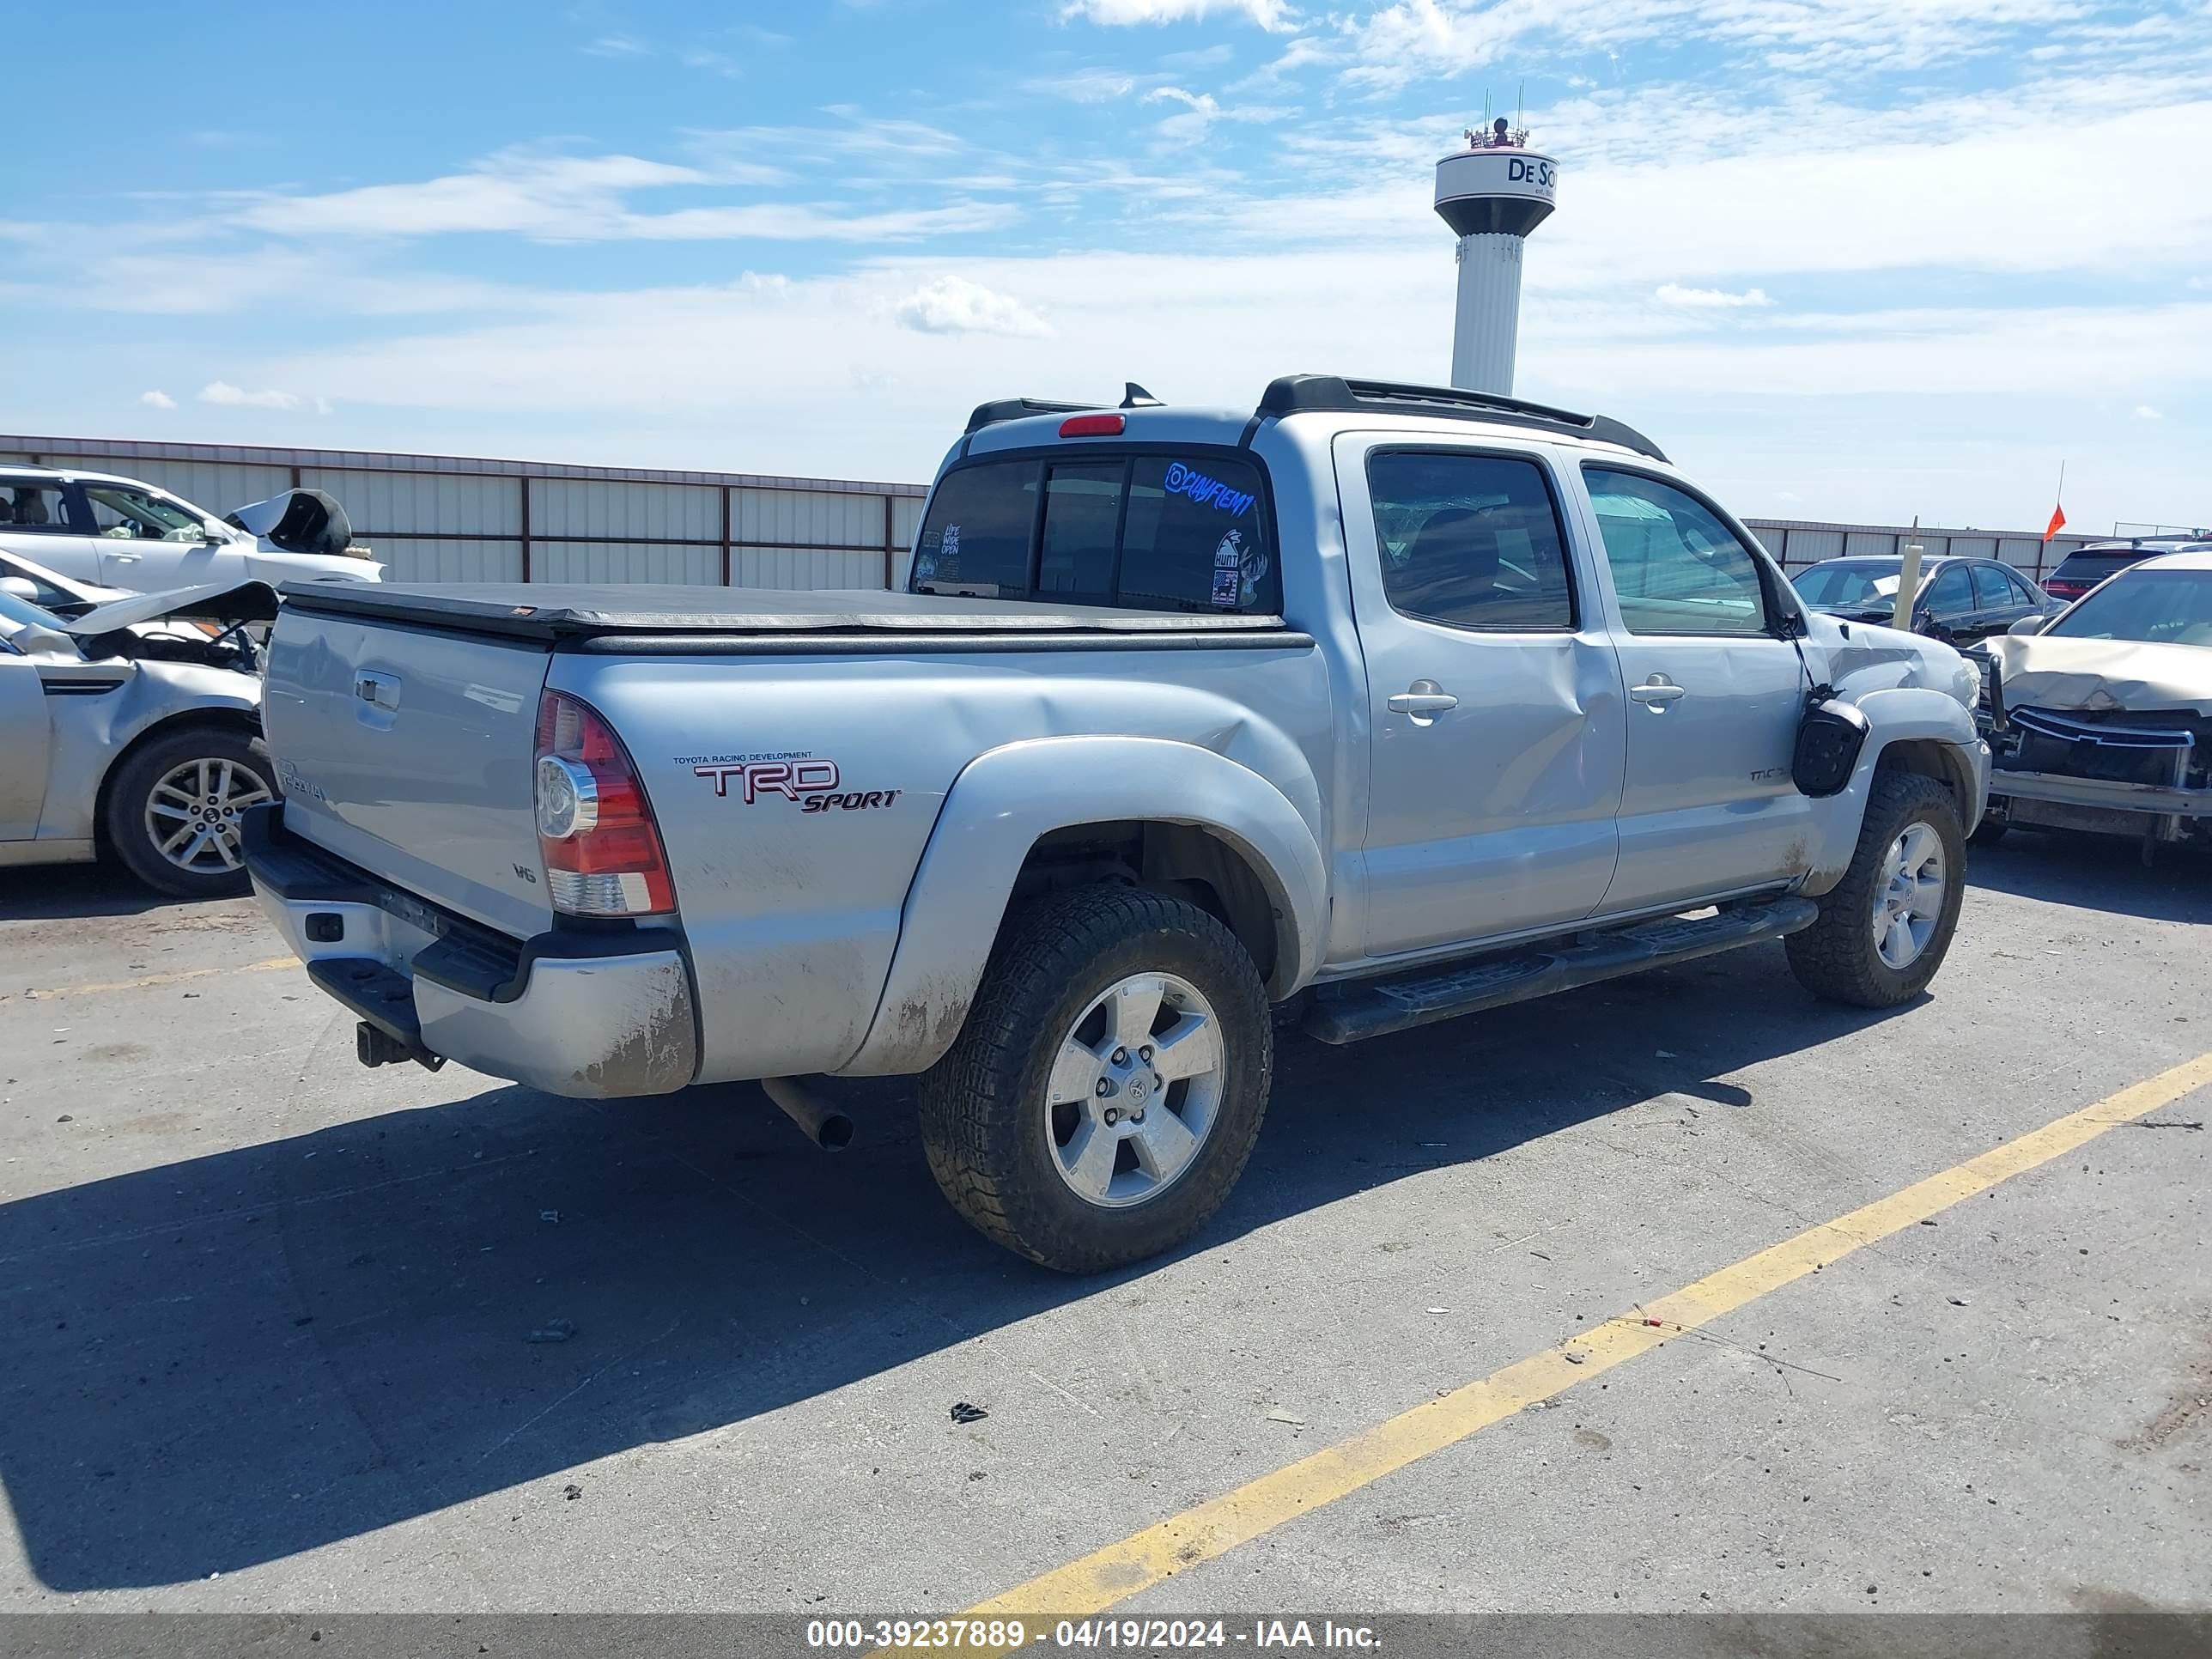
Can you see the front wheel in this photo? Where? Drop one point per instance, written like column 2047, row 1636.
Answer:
column 173, row 810
column 1106, row 1090
column 1883, row 930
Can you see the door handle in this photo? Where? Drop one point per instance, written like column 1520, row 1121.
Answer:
column 1423, row 699
column 126, row 558
column 1656, row 692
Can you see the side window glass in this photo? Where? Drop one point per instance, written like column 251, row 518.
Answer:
column 1082, row 510
column 1196, row 538
column 975, row 538
column 1948, row 595
column 33, row 505
column 1991, row 590
column 2021, row 592
column 1471, row 541
column 1677, row 568
column 128, row 514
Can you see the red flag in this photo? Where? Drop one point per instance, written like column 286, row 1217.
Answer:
column 2057, row 524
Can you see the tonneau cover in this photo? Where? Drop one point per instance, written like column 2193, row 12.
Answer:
column 559, row 611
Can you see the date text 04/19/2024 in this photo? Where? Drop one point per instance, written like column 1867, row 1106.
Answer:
column 1262, row 1635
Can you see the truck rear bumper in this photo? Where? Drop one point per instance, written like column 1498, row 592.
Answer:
column 592, row 1015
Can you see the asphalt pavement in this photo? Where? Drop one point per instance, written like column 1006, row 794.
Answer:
column 284, row 1334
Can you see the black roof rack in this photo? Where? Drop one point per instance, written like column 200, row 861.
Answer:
column 1015, row 409
column 1295, row 394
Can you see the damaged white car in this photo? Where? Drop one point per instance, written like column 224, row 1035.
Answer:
column 2100, row 719
column 118, row 532
column 122, row 736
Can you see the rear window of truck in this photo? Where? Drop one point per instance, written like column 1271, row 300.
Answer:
column 1183, row 531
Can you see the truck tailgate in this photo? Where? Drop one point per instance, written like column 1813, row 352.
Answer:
column 410, row 752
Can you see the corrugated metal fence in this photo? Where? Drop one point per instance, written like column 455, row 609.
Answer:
column 446, row 518
column 441, row 518
column 1798, row 542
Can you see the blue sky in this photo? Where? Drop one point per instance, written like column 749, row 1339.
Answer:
column 1845, row 258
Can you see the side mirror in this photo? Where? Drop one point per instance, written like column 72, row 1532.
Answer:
column 20, row 587
column 2029, row 625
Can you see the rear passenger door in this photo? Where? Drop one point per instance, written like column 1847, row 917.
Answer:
column 1707, row 806
column 1494, row 700
column 2000, row 600
column 38, row 521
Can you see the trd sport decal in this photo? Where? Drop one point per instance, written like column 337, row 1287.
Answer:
column 812, row 784
column 790, row 779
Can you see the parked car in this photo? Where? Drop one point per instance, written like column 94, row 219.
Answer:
column 1381, row 704
column 2101, row 720
column 2084, row 567
column 1961, row 599
column 93, row 527
column 116, row 737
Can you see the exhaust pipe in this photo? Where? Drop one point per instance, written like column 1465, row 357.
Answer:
column 822, row 1124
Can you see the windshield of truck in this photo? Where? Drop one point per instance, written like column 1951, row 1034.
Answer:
column 2157, row 607
column 1187, row 530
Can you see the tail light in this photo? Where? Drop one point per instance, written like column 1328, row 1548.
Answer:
column 595, row 831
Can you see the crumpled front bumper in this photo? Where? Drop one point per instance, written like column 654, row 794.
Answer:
column 591, row 1015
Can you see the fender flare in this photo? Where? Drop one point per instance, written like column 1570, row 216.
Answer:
column 998, row 807
column 1902, row 713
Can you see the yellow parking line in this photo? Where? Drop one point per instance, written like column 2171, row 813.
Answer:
column 1144, row 1559
column 153, row 980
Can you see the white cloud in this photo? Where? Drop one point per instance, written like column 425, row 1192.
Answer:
column 1088, row 86
column 1276, row 16
column 619, row 45
column 224, row 395
column 2145, row 412
column 714, row 62
column 1416, row 39
column 1201, row 111
column 1673, row 294
column 549, row 197
column 157, row 400
column 954, row 304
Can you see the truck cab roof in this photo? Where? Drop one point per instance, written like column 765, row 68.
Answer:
column 1026, row 422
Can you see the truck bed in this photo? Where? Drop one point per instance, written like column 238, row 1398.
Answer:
column 554, row 613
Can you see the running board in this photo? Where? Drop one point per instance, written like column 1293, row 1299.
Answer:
column 1368, row 1008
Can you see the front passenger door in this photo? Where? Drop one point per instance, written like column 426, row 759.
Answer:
column 1716, row 694
column 149, row 542
column 26, row 745
column 1946, row 612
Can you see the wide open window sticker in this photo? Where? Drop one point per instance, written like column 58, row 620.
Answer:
column 1207, row 491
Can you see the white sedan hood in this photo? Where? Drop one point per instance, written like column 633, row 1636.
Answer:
column 2102, row 675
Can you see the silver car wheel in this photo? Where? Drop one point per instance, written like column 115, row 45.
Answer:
column 1909, row 902
column 193, row 813
column 1134, row 1091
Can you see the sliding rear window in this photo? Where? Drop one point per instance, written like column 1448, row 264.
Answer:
column 1182, row 530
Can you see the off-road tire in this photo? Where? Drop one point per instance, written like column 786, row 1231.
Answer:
column 983, row 1123
column 123, row 820
column 1835, row 958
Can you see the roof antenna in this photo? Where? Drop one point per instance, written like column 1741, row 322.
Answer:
column 1135, row 397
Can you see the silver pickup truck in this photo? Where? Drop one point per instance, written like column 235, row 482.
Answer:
column 1371, row 705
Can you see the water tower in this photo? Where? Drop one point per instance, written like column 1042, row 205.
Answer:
column 1493, row 194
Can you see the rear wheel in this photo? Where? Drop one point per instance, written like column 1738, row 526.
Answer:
column 1106, row 1090
column 173, row 810
column 1883, row 930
